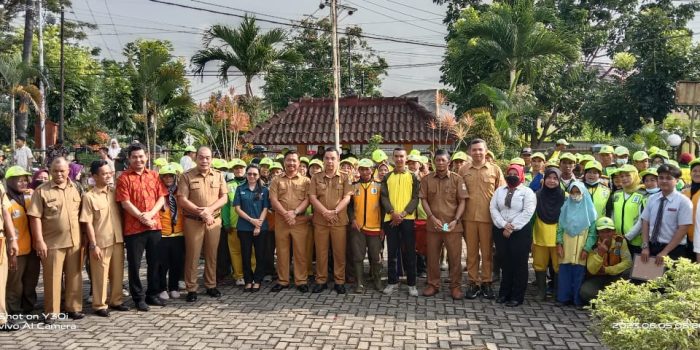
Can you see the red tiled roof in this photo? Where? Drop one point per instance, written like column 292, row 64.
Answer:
column 309, row 121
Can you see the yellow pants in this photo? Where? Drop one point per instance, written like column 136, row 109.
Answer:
column 541, row 257
column 234, row 249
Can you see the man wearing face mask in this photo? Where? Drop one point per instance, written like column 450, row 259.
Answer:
column 567, row 162
column 599, row 192
column 622, row 155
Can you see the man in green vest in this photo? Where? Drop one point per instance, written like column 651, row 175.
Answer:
column 605, row 155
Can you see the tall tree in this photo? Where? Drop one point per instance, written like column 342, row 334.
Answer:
column 14, row 75
column 312, row 76
column 245, row 48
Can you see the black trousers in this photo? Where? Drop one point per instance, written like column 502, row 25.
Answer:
column 677, row 252
column 171, row 262
column 135, row 246
column 512, row 256
column 223, row 257
column 401, row 237
column 268, row 258
column 248, row 241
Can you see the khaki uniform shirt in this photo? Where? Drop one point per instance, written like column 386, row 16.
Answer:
column 4, row 204
column 289, row 191
column 481, row 183
column 443, row 194
column 330, row 191
column 58, row 207
column 202, row 189
column 101, row 209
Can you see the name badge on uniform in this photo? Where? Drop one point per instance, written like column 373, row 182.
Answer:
column 636, row 199
column 464, row 187
column 373, row 190
column 16, row 214
column 673, row 209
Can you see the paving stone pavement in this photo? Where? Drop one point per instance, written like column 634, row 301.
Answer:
column 291, row 320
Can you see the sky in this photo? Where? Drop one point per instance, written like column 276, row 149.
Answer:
column 122, row 21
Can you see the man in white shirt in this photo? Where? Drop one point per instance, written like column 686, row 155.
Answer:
column 187, row 160
column 666, row 218
column 23, row 155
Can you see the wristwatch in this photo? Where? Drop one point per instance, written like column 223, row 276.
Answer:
column 92, row 246
column 645, row 245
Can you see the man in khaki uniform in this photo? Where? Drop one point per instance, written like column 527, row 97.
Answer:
column 202, row 191
column 330, row 193
column 482, row 179
column 8, row 249
column 443, row 195
column 103, row 223
column 289, row 199
column 53, row 218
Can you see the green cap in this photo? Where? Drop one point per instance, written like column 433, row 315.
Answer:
column 266, row 161
column 553, row 163
column 218, row 163
column 594, row 165
column 587, row 158
column 177, row 167
column 653, row 149
column 414, row 152
column 15, row 171
column 567, row 156
column 304, row 160
column 627, row 168
column 276, row 165
column 236, row 162
column 365, row 163
column 694, row 162
column 660, row 153
column 490, row 154
column 413, row 158
column 518, row 161
column 316, row 162
column 190, row 149
column 673, row 162
column 168, row 169
column 459, row 156
column 160, row 162
column 606, row 149
column 539, row 155
column 604, row 223
column 650, row 171
column 424, row 160
column 622, row 151
column 640, row 156
column 379, row 156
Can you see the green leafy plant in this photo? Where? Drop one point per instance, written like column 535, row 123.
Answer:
column 660, row 314
column 372, row 145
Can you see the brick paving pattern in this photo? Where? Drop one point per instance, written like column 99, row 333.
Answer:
column 291, row 320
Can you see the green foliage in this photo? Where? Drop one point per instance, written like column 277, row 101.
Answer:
column 622, row 305
column 312, row 76
column 624, row 61
column 484, row 128
column 372, row 145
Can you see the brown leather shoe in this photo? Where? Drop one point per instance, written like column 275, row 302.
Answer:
column 429, row 291
column 457, row 294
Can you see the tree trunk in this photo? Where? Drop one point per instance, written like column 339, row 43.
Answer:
column 22, row 117
column 248, row 88
column 155, row 130
column 144, row 110
column 13, row 133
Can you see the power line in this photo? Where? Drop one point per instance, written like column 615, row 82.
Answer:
column 109, row 50
column 394, row 18
column 403, row 13
column 112, row 21
column 364, row 35
column 415, row 8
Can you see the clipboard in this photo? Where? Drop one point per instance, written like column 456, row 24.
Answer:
column 648, row 271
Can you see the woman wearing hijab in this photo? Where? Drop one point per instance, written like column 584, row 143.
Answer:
column 627, row 206
column 39, row 177
column 576, row 236
column 113, row 149
column 693, row 192
column 511, row 209
column 550, row 199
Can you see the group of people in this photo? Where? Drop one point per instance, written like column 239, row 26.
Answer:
column 580, row 217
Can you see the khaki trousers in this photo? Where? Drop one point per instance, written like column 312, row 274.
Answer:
column 337, row 237
column 541, row 256
column 199, row 236
column 109, row 269
column 21, row 284
column 295, row 236
column 56, row 263
column 3, row 280
column 453, row 243
column 310, row 250
column 479, row 238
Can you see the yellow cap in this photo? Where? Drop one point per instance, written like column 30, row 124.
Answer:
column 594, row 165
column 622, row 151
column 265, row 161
column 160, row 162
column 316, row 162
column 553, row 163
column 660, row 153
column 236, row 162
column 459, row 156
column 424, row 159
column 15, row 171
column 650, row 171
column 415, row 152
column 567, row 156
column 168, row 169
column 413, row 158
column 379, row 156
column 190, row 149
column 605, row 149
column 304, row 160
column 627, row 168
column 178, row 168
column 539, row 155
column 694, row 162
column 276, row 165
column 490, row 154
column 518, row 161
column 653, row 149
column 587, row 158
column 640, row 156
column 218, row 163
column 365, row 163
column 604, row 223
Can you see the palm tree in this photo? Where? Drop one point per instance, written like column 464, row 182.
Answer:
column 244, row 48
column 517, row 35
column 13, row 77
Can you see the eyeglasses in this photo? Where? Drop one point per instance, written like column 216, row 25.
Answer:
column 252, row 174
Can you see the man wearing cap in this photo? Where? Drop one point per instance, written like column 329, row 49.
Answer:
column 609, row 260
column 265, row 165
column 641, row 160
column 607, row 160
column 443, row 194
column 526, row 155
column 567, row 162
column 537, row 162
column 365, row 226
column 53, row 218
column 330, row 193
column 622, row 155
column 202, row 191
column 413, row 164
column 187, row 160
column 289, row 198
column 458, row 159
column 666, row 218
column 600, row 194
column 560, row 147
column 481, row 178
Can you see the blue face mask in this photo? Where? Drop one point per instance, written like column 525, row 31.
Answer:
column 653, row 190
column 593, row 183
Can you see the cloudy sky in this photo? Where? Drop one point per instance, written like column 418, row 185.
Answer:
column 122, row 21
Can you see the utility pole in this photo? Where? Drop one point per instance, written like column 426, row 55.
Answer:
column 42, row 89
column 61, row 126
column 336, row 73
column 350, row 88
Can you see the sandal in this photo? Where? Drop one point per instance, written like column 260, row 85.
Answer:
column 247, row 288
column 255, row 288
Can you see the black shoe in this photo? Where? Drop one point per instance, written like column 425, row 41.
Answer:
column 155, row 301
column 102, row 313
column 191, row 297
column 213, row 292
column 513, row 303
column 278, row 287
column 487, row 292
column 49, row 320
column 339, row 288
column 319, row 288
column 121, row 307
column 142, row 306
column 501, row 300
column 303, row 288
column 76, row 315
column 473, row 292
